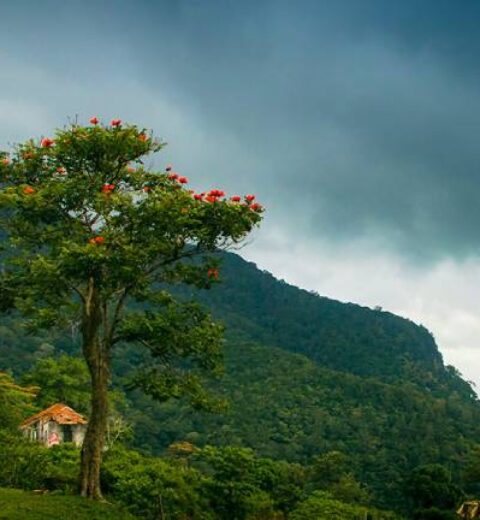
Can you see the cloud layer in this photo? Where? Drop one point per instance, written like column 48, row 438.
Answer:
column 356, row 123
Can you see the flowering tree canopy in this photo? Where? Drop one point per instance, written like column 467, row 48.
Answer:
column 89, row 229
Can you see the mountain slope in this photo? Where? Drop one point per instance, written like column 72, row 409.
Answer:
column 342, row 336
column 306, row 375
column 287, row 407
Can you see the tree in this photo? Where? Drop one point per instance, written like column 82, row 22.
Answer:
column 431, row 487
column 64, row 379
column 243, row 486
column 95, row 238
column 15, row 400
column 320, row 505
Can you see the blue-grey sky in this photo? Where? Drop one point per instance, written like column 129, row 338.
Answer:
column 355, row 122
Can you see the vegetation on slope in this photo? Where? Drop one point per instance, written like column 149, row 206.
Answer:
column 308, row 380
column 342, row 336
column 284, row 406
column 18, row 505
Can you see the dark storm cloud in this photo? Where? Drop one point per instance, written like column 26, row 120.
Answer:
column 350, row 119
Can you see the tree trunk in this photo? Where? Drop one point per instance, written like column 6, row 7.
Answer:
column 96, row 354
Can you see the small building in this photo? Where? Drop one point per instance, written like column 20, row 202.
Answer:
column 58, row 423
column 470, row 510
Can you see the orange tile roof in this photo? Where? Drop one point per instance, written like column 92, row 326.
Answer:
column 60, row 413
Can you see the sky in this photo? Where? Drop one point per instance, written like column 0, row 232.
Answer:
column 356, row 124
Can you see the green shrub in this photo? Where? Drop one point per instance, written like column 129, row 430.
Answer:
column 23, row 463
column 433, row 513
column 29, row 465
column 242, row 485
column 62, row 470
column 155, row 488
column 322, row 506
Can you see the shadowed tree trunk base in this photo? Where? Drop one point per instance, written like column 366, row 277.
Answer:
column 93, row 444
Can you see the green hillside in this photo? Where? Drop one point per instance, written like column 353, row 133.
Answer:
column 341, row 336
column 305, row 376
column 285, row 406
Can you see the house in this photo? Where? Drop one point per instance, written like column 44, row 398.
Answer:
column 470, row 510
column 58, row 423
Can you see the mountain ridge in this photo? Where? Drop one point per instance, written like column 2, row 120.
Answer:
column 344, row 336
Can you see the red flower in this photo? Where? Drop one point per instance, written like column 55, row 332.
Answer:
column 173, row 176
column 61, row 170
column 168, row 167
column 235, row 198
column 46, row 142
column 256, row 207
column 97, row 240
column 94, row 120
column 28, row 190
column 249, row 198
column 213, row 273
column 198, row 196
column 211, row 198
column 183, row 180
column 143, row 137
column 216, row 193
column 108, row 188
column 116, row 122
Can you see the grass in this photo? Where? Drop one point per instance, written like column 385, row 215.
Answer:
column 21, row 505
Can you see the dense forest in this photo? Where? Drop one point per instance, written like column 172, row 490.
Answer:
column 323, row 405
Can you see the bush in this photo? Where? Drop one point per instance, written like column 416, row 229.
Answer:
column 62, row 469
column 434, row 513
column 322, row 506
column 243, row 486
column 23, row 463
column 155, row 488
column 29, row 465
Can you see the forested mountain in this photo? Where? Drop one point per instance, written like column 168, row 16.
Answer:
column 285, row 406
column 342, row 336
column 305, row 376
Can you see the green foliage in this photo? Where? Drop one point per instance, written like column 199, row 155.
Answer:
column 29, row 465
column 242, row 484
column 15, row 402
column 322, row 506
column 154, row 488
column 18, row 505
column 431, row 486
column 19, row 350
column 433, row 513
column 61, row 470
column 284, row 406
column 64, row 379
column 85, row 215
column 23, row 463
column 342, row 336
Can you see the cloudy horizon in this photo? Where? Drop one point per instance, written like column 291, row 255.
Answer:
column 355, row 123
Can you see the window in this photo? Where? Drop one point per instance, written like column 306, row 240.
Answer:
column 67, row 433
